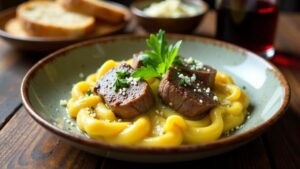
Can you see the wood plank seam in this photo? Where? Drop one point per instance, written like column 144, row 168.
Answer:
column 6, row 120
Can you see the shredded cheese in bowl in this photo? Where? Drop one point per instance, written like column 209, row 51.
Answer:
column 172, row 9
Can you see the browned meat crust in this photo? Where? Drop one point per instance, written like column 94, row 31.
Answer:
column 191, row 100
column 135, row 100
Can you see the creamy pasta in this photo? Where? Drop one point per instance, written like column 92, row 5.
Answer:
column 161, row 126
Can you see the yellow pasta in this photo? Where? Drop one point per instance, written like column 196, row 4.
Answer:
column 102, row 112
column 80, row 89
column 172, row 136
column 92, row 79
column 96, row 127
column 74, row 106
column 134, row 133
column 162, row 126
column 105, row 68
column 206, row 133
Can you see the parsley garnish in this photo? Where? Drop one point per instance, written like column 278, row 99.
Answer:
column 181, row 81
column 159, row 59
column 122, row 75
column 89, row 92
column 121, row 80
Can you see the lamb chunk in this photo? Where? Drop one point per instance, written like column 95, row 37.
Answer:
column 206, row 75
column 203, row 72
column 189, row 97
column 127, row 102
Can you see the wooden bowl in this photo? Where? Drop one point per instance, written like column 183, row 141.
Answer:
column 49, row 81
column 39, row 44
column 172, row 25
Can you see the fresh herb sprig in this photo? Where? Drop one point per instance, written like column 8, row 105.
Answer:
column 121, row 80
column 158, row 60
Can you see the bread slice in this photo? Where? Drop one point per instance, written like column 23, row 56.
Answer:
column 100, row 9
column 49, row 19
column 14, row 27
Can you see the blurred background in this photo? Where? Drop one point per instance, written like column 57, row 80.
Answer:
column 285, row 5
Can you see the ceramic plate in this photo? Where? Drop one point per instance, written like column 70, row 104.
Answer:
column 51, row 79
column 46, row 44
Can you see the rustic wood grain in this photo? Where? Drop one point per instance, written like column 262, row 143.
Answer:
column 282, row 142
column 10, row 80
column 13, row 66
column 25, row 144
column 250, row 156
column 30, row 146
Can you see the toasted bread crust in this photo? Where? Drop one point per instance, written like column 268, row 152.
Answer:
column 36, row 28
column 99, row 9
column 14, row 27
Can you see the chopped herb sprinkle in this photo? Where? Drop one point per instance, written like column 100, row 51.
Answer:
column 120, row 83
column 89, row 92
column 123, row 81
column 122, row 75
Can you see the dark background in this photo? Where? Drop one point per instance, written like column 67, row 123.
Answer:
column 285, row 5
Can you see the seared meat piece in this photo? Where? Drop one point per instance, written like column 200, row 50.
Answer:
column 206, row 75
column 129, row 101
column 185, row 93
column 136, row 60
column 203, row 72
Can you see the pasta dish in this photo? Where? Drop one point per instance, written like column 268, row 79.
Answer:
column 157, row 98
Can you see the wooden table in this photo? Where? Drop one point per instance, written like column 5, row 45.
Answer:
column 25, row 144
